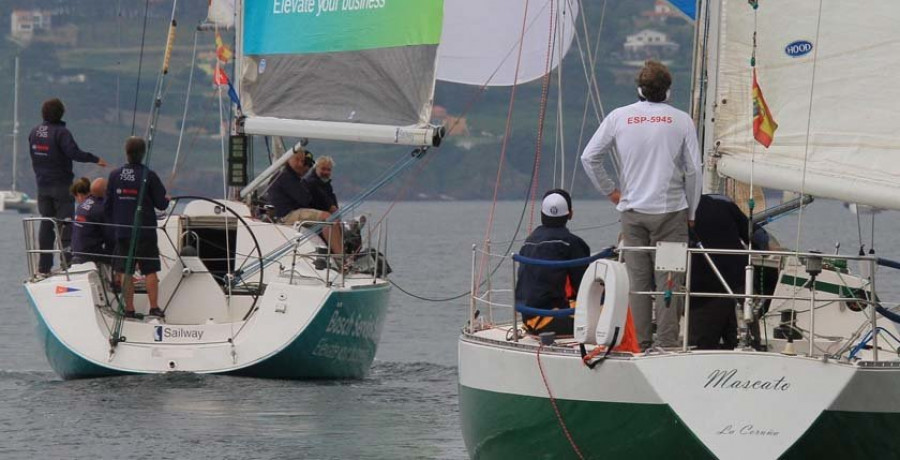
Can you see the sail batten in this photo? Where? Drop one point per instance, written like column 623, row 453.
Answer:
column 824, row 81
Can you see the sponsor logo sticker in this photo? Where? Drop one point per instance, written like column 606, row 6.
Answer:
column 157, row 334
column 798, row 48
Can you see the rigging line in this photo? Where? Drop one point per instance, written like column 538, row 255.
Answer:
column 593, row 68
column 127, row 278
column 560, row 131
column 483, row 87
column 585, row 67
column 506, row 134
column 812, row 85
column 187, row 99
column 222, row 143
column 595, row 52
column 859, row 232
column 542, row 115
column 485, row 255
column 137, row 90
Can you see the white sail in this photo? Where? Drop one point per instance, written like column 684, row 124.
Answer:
column 221, row 13
column 349, row 69
column 824, row 69
column 480, row 41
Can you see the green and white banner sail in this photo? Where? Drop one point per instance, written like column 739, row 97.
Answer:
column 353, row 61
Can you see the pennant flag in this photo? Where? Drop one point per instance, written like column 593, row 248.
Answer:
column 764, row 125
column 222, row 52
column 234, row 96
column 60, row 290
column 220, row 78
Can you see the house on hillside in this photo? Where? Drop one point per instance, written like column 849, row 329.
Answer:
column 661, row 12
column 28, row 26
column 25, row 23
column 648, row 44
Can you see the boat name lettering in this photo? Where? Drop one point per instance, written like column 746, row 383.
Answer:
column 164, row 332
column 352, row 326
column 798, row 48
column 323, row 6
column 327, row 349
column 726, row 379
column 747, row 430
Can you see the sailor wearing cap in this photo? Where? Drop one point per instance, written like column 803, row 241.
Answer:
column 546, row 287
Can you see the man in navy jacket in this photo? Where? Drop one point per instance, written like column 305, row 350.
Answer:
column 122, row 194
column 53, row 149
column 551, row 288
column 92, row 240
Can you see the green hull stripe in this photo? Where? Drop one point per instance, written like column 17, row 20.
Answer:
column 499, row 425
column 831, row 288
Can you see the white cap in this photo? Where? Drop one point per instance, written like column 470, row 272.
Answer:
column 554, row 205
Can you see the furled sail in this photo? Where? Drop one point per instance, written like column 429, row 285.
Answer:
column 825, row 69
column 359, row 70
column 480, row 42
column 221, row 13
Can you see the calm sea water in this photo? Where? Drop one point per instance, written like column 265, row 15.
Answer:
column 406, row 408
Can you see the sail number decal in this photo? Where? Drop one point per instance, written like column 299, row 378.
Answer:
column 798, row 48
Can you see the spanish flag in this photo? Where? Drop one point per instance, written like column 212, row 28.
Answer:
column 222, row 52
column 220, row 78
column 764, row 125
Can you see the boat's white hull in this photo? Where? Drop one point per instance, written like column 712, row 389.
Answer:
column 297, row 332
column 715, row 404
column 289, row 320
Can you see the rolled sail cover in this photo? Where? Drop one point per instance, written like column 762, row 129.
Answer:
column 353, row 61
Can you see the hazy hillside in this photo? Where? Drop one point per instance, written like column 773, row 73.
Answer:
column 97, row 77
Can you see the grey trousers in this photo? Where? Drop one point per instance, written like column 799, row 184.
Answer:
column 646, row 230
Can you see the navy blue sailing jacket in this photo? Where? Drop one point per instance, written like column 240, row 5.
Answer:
column 53, row 149
column 288, row 193
column 89, row 236
column 121, row 200
column 545, row 287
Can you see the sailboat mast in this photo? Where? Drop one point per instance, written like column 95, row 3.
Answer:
column 15, row 130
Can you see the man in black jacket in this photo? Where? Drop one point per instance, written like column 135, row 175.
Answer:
column 122, row 192
column 293, row 200
column 318, row 179
column 53, row 149
column 720, row 224
column 551, row 288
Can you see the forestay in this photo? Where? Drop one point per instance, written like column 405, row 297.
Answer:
column 480, row 41
column 828, row 82
column 334, row 63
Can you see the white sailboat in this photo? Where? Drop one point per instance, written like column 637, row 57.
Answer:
column 14, row 199
column 827, row 383
column 243, row 295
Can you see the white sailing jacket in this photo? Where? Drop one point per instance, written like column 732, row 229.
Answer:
column 658, row 157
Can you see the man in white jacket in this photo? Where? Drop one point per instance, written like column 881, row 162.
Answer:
column 659, row 189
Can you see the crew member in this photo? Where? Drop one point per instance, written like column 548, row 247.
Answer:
column 122, row 194
column 318, row 179
column 53, row 149
column 550, row 288
column 92, row 240
column 658, row 192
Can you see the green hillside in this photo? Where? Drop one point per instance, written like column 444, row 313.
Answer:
column 96, row 75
